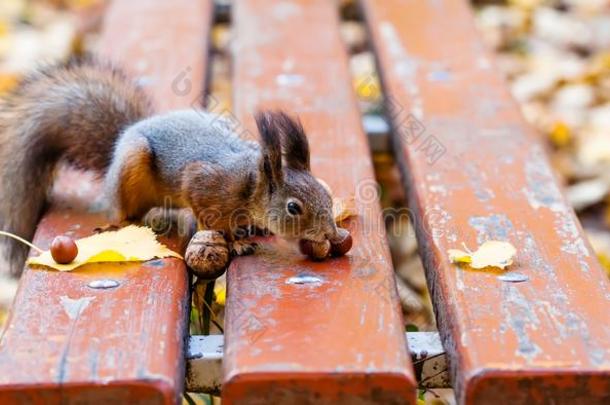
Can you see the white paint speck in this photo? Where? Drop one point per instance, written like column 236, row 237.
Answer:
column 75, row 307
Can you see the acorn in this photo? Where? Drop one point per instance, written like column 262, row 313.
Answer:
column 342, row 244
column 63, row 249
column 315, row 250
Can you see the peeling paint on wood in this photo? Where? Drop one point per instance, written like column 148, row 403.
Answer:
column 540, row 340
column 299, row 331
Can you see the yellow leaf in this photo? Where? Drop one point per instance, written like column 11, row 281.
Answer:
column 8, row 82
column 560, row 134
column 130, row 244
column 343, row 208
column 220, row 291
column 492, row 253
column 605, row 262
column 459, row 256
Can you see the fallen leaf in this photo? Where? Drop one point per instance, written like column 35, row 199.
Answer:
column 220, row 290
column 492, row 253
column 130, row 244
column 560, row 134
column 343, row 208
column 459, row 256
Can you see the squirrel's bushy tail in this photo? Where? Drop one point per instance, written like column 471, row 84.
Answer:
column 72, row 112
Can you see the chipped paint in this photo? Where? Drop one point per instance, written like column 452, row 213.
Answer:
column 519, row 341
column 513, row 277
column 283, row 10
column 75, row 307
column 290, row 80
column 299, row 318
column 520, row 315
column 541, row 189
column 492, row 227
column 439, row 76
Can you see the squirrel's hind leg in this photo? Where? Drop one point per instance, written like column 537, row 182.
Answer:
column 130, row 180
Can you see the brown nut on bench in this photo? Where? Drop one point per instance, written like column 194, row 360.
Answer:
column 342, row 244
column 315, row 250
column 63, row 249
column 320, row 250
column 207, row 254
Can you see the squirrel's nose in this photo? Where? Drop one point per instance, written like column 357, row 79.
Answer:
column 332, row 233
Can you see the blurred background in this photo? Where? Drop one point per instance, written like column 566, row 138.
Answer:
column 555, row 55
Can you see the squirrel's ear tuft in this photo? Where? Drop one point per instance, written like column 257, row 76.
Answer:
column 271, row 164
column 294, row 142
column 295, row 146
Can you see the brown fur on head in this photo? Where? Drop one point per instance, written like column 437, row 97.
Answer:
column 299, row 206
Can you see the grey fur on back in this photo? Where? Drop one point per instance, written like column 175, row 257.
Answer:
column 180, row 137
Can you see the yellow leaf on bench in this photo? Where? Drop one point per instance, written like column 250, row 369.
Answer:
column 492, row 253
column 130, row 244
column 459, row 256
column 343, row 208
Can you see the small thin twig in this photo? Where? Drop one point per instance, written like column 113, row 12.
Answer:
column 213, row 317
column 20, row 239
column 189, row 399
column 431, row 377
column 208, row 296
column 420, row 361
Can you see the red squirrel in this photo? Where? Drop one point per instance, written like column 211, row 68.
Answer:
column 92, row 116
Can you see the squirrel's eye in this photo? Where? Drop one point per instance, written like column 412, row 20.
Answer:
column 294, row 208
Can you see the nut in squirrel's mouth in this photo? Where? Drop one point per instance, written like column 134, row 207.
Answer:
column 315, row 240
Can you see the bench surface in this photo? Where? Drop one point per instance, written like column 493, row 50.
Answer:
column 66, row 341
column 297, row 330
column 476, row 171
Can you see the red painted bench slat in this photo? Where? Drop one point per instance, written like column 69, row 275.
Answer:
column 476, row 171
column 67, row 342
column 340, row 339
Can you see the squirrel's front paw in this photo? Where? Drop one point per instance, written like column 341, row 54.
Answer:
column 243, row 247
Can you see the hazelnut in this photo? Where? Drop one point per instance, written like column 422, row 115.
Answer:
column 315, row 250
column 63, row 249
column 342, row 243
column 207, row 254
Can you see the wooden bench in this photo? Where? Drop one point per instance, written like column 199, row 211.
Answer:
column 475, row 171
column 338, row 334
column 66, row 342
column 303, row 332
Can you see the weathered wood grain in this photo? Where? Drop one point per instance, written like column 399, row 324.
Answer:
column 476, row 171
column 66, row 342
column 298, row 331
